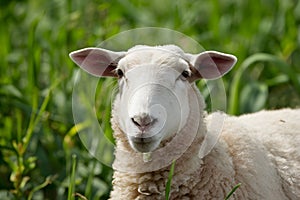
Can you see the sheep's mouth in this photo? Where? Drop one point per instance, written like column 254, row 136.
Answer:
column 143, row 144
column 141, row 140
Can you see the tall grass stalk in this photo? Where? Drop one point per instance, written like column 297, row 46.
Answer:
column 24, row 163
column 35, row 119
column 169, row 182
column 89, row 184
column 72, row 182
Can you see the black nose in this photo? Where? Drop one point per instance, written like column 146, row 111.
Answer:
column 142, row 121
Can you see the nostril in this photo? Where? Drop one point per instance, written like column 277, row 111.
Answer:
column 135, row 122
column 142, row 121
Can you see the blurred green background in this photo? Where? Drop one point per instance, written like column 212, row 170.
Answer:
column 37, row 132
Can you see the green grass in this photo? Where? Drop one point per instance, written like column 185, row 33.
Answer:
column 37, row 132
column 169, row 182
column 232, row 191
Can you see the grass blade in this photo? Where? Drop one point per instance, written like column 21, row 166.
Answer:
column 89, row 184
column 72, row 179
column 169, row 182
column 232, row 191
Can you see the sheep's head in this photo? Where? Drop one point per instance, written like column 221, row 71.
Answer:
column 152, row 104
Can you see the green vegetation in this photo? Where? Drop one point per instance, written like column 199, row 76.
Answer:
column 169, row 182
column 37, row 132
column 232, row 191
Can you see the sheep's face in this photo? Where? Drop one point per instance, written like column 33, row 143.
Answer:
column 153, row 102
column 153, row 98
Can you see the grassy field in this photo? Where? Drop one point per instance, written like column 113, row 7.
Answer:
column 41, row 155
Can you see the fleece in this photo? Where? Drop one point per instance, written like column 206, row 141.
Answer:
column 261, row 151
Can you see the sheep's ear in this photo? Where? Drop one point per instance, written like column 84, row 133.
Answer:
column 211, row 64
column 96, row 61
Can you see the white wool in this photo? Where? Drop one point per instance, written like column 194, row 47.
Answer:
column 263, row 157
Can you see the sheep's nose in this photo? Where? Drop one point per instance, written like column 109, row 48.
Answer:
column 142, row 121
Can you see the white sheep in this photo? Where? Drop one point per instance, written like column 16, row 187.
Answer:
column 158, row 116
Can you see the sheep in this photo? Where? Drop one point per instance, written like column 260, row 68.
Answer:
column 159, row 117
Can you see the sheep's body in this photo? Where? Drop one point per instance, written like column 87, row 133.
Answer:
column 160, row 110
column 261, row 151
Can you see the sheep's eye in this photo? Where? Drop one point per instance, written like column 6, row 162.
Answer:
column 185, row 74
column 120, row 73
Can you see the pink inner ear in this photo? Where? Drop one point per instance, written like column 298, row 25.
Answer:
column 95, row 64
column 214, row 65
column 95, row 61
